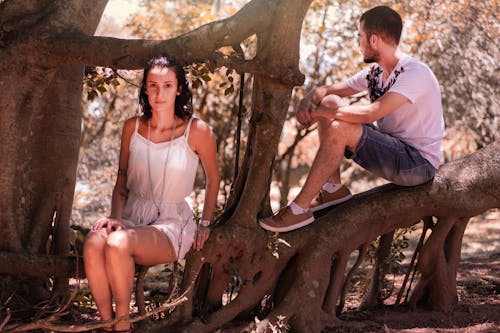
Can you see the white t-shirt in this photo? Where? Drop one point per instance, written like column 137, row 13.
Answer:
column 419, row 122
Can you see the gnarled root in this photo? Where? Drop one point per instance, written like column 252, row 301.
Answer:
column 373, row 297
column 438, row 265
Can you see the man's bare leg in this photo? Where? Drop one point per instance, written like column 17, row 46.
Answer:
column 335, row 137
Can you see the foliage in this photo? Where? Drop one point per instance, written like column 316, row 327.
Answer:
column 459, row 41
column 391, row 265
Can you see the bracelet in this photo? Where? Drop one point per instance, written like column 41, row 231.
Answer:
column 204, row 223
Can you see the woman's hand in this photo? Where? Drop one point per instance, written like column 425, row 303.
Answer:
column 107, row 223
column 200, row 237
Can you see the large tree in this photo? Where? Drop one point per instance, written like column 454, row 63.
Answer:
column 44, row 47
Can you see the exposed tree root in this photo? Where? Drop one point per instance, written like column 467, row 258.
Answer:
column 438, row 264
column 373, row 298
column 361, row 255
column 318, row 261
column 428, row 225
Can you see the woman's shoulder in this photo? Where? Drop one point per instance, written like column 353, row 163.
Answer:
column 129, row 125
column 130, row 122
column 199, row 127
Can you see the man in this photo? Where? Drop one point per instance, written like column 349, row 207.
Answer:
column 404, row 147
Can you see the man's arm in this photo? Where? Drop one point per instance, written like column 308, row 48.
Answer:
column 340, row 89
column 359, row 113
column 312, row 100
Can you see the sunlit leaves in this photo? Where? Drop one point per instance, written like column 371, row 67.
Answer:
column 98, row 80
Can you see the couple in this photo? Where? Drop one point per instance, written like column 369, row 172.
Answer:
column 151, row 223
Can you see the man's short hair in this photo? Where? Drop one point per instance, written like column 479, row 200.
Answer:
column 383, row 21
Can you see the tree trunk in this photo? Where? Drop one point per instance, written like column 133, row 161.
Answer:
column 40, row 127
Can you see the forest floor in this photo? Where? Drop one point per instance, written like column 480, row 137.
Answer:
column 478, row 286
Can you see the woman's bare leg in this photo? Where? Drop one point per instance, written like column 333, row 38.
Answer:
column 95, row 269
column 145, row 245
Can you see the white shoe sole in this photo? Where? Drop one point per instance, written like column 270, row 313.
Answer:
column 331, row 203
column 288, row 228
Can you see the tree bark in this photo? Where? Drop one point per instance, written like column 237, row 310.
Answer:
column 372, row 298
column 40, row 127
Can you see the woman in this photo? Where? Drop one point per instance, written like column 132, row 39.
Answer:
column 151, row 222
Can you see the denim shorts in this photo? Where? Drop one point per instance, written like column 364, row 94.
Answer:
column 390, row 158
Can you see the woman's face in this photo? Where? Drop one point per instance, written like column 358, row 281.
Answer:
column 162, row 88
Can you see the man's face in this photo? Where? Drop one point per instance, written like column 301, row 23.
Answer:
column 369, row 54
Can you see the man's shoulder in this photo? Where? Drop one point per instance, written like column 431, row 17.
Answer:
column 411, row 63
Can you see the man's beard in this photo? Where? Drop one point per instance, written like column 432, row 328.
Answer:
column 371, row 56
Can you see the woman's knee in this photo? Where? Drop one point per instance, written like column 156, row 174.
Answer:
column 118, row 242
column 94, row 244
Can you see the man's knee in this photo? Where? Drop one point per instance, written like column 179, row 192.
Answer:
column 343, row 131
column 332, row 102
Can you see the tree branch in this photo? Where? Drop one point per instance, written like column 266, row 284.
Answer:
column 22, row 264
column 197, row 45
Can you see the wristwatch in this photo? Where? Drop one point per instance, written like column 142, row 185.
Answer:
column 205, row 223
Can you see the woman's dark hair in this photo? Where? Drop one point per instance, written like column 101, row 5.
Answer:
column 384, row 21
column 183, row 102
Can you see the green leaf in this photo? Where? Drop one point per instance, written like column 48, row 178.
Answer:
column 197, row 83
column 7, row 28
column 101, row 89
column 229, row 90
column 206, row 78
column 91, row 95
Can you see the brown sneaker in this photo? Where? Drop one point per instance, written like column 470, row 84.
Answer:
column 326, row 199
column 284, row 220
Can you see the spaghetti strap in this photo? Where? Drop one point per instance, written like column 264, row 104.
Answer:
column 136, row 124
column 188, row 128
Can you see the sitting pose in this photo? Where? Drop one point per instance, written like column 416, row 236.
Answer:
column 404, row 147
column 151, row 222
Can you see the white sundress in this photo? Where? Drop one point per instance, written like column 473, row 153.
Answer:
column 176, row 215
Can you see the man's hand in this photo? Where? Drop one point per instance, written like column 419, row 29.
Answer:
column 309, row 113
column 305, row 110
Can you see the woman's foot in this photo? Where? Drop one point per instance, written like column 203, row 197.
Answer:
column 130, row 330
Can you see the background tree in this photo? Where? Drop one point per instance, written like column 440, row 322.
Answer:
column 42, row 146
